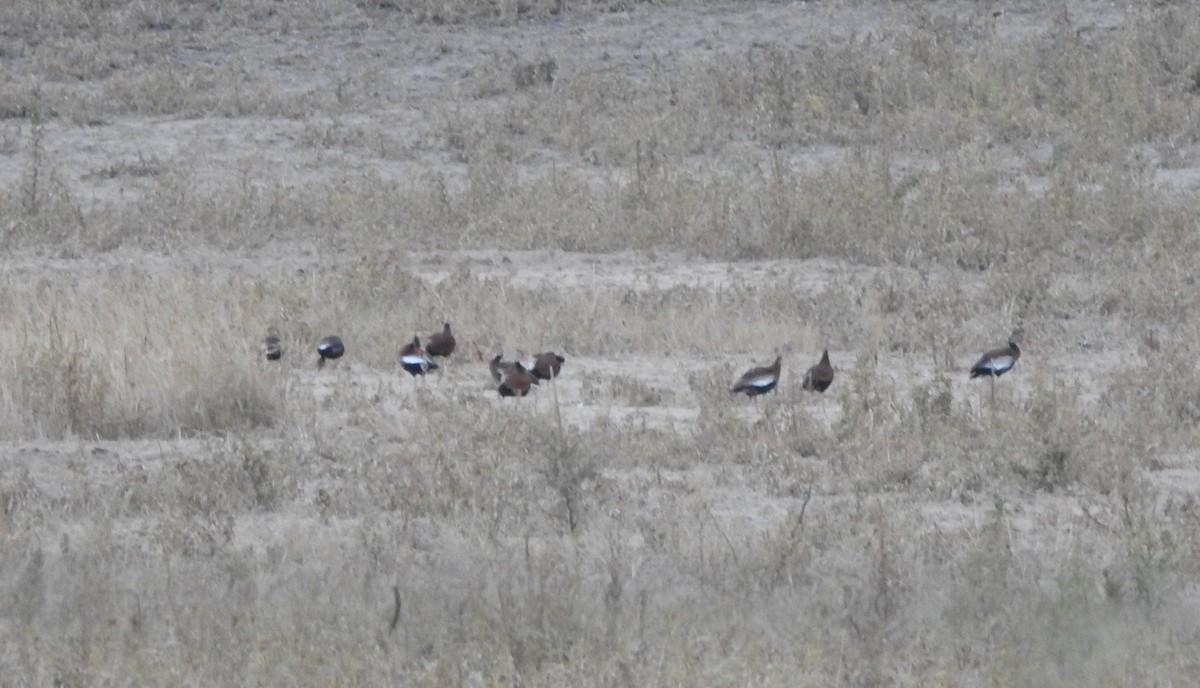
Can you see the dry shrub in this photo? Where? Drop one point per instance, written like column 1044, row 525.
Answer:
column 78, row 392
column 118, row 361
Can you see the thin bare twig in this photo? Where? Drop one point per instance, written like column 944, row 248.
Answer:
column 395, row 610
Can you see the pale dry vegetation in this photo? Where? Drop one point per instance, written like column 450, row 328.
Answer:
column 665, row 193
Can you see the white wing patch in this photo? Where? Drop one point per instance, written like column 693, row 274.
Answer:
column 765, row 381
column 999, row 364
column 413, row 360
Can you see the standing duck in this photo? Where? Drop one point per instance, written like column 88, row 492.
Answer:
column 330, row 348
column 498, row 367
column 414, row 360
column 819, row 377
column 997, row 362
column 272, row 345
column 496, row 364
column 441, row 343
column 758, row 381
column 515, row 379
column 547, row 365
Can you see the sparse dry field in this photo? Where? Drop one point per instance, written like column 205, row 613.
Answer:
column 665, row 193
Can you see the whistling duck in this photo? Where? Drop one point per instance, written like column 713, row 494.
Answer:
column 547, row 365
column 819, row 377
column 498, row 367
column 441, row 343
column 515, row 380
column 329, row 348
column 414, row 360
column 997, row 362
column 496, row 364
column 758, row 381
column 272, row 346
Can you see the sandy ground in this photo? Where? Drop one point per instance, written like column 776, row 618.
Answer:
column 398, row 78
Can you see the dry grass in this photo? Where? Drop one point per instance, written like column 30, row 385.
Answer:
column 899, row 184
